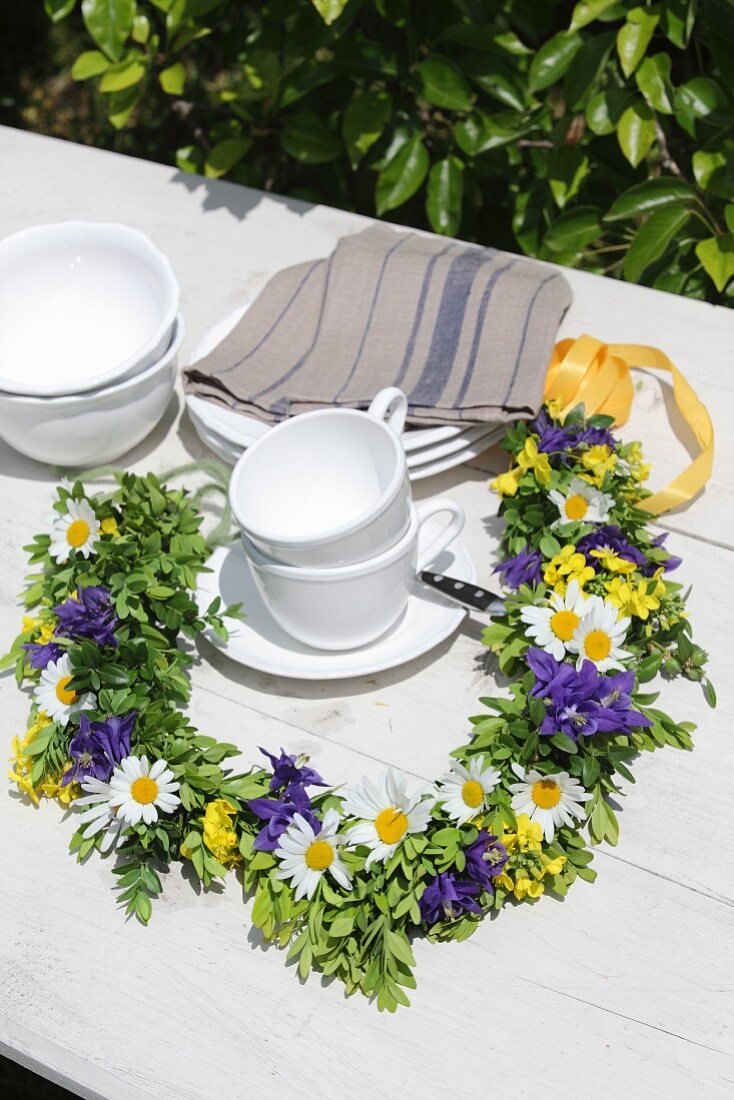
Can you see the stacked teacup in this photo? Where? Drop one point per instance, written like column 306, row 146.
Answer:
column 89, row 336
column 331, row 533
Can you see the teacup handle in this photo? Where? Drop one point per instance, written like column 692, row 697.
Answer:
column 390, row 405
column 444, row 538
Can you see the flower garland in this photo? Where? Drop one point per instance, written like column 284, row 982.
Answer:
column 346, row 879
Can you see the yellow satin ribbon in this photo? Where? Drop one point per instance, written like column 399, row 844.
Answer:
column 598, row 375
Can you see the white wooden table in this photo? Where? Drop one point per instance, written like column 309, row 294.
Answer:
column 622, row 990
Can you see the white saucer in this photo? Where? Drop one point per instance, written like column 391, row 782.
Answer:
column 259, row 643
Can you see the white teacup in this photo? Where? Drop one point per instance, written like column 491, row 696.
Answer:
column 350, row 606
column 326, row 488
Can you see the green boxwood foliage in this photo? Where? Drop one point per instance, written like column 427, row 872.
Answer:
column 598, row 134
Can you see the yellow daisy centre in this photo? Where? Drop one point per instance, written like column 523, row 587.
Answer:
column 391, row 825
column 77, row 533
column 576, row 507
column 546, row 793
column 63, row 693
column 319, row 855
column 144, row 790
column 472, row 793
column 597, row 645
column 563, row 624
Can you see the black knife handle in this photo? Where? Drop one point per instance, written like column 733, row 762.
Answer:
column 463, row 592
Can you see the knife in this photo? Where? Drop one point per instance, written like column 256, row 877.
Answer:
column 463, row 592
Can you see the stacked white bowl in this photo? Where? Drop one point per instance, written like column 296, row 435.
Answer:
column 89, row 337
column 332, row 536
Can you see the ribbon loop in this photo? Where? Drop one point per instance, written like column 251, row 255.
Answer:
column 597, row 375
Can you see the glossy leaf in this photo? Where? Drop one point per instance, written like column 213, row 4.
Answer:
column 651, row 241
column 553, row 59
column 329, row 10
column 653, row 80
column 172, row 79
column 140, row 29
column 700, row 97
column 634, row 38
column 443, row 83
column 714, row 170
column 305, row 137
column 653, row 194
column 717, row 256
column 574, row 230
column 88, row 64
column 223, row 156
column 121, row 105
column 444, row 195
column 585, row 70
column 365, row 118
column 677, row 21
column 57, row 10
column 636, row 132
column 567, row 170
column 587, row 11
column 605, row 109
column 124, row 75
column 402, row 177
column 109, row 22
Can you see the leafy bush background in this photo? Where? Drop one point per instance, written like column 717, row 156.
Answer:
column 598, row 134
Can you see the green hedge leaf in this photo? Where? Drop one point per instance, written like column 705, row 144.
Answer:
column 553, row 59
column 443, row 83
column 402, row 177
column 223, row 156
column 330, row 10
column 604, row 110
column 714, row 170
column 586, row 69
column 717, row 256
column 589, row 10
column 121, row 105
column 567, row 169
column 444, row 195
column 651, row 195
column 124, row 75
column 677, row 21
column 634, row 38
column 636, row 132
column 88, row 64
column 305, row 137
column 57, row 10
column 652, row 239
column 653, row 80
column 573, row 231
column 109, row 22
column 172, row 79
column 365, row 118
column 699, row 97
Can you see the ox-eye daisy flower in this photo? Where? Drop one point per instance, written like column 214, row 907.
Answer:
column 554, row 626
column 140, row 790
column 550, row 800
column 581, row 502
column 463, row 791
column 77, row 529
column 306, row 855
column 54, row 696
column 599, row 636
column 388, row 814
column 101, row 813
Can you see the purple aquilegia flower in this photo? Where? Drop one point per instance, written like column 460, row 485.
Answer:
column 549, row 673
column 552, row 437
column 611, row 538
column 668, row 566
column 278, row 814
column 446, row 897
column 42, row 653
column 287, row 773
column 485, row 858
column 616, row 713
column 98, row 747
column 524, row 568
column 596, row 437
column 91, row 616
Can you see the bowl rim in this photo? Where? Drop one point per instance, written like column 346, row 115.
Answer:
column 171, row 311
column 69, row 399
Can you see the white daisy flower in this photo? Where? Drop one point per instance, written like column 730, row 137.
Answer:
column 388, row 814
column 102, row 813
column 581, row 501
column 551, row 800
column 553, row 627
column 463, row 791
column 599, row 636
column 140, row 790
column 54, row 696
column 306, row 855
column 77, row 529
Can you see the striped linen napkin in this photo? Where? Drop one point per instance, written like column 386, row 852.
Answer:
column 466, row 332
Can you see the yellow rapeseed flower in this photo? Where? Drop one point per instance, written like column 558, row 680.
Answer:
column 599, row 460
column 219, row 835
column 506, row 484
column 631, row 600
column 612, row 562
column 565, row 567
column 528, row 838
column 109, row 526
column 530, row 458
column 524, row 886
column 555, row 407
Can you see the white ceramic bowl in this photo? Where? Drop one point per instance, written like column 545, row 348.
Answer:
column 326, row 488
column 90, row 429
column 352, row 605
column 82, row 305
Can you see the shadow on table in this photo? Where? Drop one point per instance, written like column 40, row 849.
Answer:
column 19, row 1083
column 238, row 200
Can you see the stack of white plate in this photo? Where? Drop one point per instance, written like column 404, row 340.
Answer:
column 228, row 433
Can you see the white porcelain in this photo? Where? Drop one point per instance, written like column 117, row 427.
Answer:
column 326, row 488
column 259, row 643
column 350, row 606
column 451, row 446
column 439, row 466
column 82, row 305
column 95, row 427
